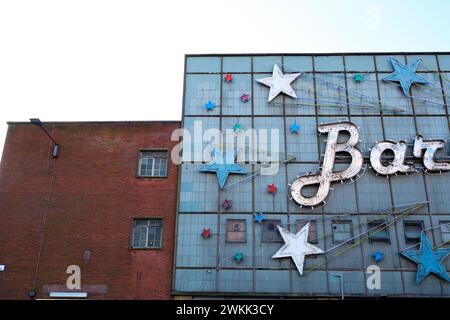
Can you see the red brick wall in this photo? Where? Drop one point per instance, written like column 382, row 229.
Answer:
column 89, row 195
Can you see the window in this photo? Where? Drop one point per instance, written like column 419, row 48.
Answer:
column 445, row 231
column 147, row 233
column 413, row 229
column 312, row 236
column 342, row 230
column 236, row 231
column 376, row 235
column 270, row 231
column 152, row 163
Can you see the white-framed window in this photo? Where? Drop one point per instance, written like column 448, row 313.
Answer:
column 147, row 233
column 152, row 163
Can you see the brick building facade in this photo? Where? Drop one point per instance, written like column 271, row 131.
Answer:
column 82, row 208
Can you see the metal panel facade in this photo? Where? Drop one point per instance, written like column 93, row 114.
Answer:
column 328, row 90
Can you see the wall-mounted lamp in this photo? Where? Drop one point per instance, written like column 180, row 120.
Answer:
column 38, row 122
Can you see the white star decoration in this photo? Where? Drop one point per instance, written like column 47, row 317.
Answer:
column 279, row 82
column 296, row 246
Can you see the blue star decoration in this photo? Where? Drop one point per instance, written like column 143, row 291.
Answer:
column 294, row 128
column 428, row 260
column 259, row 217
column 405, row 74
column 378, row 256
column 209, row 105
column 222, row 166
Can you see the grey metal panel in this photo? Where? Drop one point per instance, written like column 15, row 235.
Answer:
column 331, row 96
column 409, row 189
column 363, row 96
column 272, row 281
column 359, row 63
column 384, row 64
column 438, row 192
column 428, row 98
column 192, row 249
column 203, row 64
column 370, row 130
column 237, row 64
column 260, row 94
column 227, row 250
column 302, row 145
column 429, row 62
column 201, row 280
column 392, row 94
column 265, row 63
column 304, row 90
column 399, row 128
column 329, row 63
column 232, row 92
column 297, row 64
column 444, row 62
column 373, row 192
column 391, row 284
column 267, row 202
column 198, row 148
column 204, row 186
column 429, row 286
column 265, row 250
column 391, row 258
column 201, row 88
column 435, row 128
column 344, row 256
column 314, row 282
column 240, row 140
column 354, row 282
column 236, row 280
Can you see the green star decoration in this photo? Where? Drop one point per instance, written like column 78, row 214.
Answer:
column 358, row 77
column 237, row 127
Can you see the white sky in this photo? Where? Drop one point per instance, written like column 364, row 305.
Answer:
column 123, row 60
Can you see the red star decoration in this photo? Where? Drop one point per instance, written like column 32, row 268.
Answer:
column 206, row 233
column 271, row 188
column 228, row 77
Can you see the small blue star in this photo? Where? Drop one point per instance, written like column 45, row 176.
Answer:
column 405, row 74
column 378, row 256
column 259, row 217
column 428, row 260
column 209, row 105
column 295, row 128
column 222, row 166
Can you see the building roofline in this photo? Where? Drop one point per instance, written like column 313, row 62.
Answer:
column 315, row 53
column 102, row 122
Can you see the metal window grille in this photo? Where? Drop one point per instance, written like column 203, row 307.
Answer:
column 152, row 163
column 342, row 230
column 312, row 236
column 147, row 233
column 413, row 230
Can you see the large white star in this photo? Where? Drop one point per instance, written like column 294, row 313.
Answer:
column 296, row 246
column 279, row 82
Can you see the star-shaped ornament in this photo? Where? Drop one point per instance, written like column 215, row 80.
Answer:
column 428, row 260
column 223, row 165
column 238, row 257
column 227, row 203
column 237, row 127
column 209, row 105
column 228, row 77
column 296, row 246
column 259, row 217
column 245, row 97
column 279, row 82
column 358, row 77
column 271, row 188
column 294, row 128
column 206, row 233
column 405, row 74
column 378, row 256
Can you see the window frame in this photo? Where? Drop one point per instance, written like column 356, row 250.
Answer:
column 138, row 168
column 131, row 242
column 266, row 221
column 378, row 224
column 412, row 222
column 229, row 221
column 441, row 222
column 312, row 221
column 349, row 222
